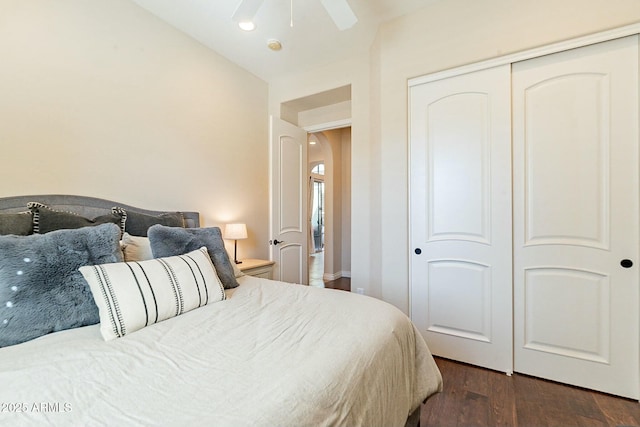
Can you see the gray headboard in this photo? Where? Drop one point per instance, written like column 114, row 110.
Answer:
column 89, row 207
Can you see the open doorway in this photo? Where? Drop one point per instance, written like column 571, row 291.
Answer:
column 326, row 116
column 329, row 158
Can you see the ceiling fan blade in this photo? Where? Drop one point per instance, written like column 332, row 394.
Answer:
column 246, row 10
column 341, row 13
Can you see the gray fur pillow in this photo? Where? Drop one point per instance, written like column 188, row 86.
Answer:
column 172, row 241
column 41, row 289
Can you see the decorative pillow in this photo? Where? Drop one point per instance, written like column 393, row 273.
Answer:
column 236, row 271
column 136, row 248
column 170, row 241
column 46, row 219
column 138, row 223
column 19, row 224
column 133, row 295
column 41, row 289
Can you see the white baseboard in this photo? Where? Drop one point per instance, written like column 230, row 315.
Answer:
column 329, row 277
column 335, row 276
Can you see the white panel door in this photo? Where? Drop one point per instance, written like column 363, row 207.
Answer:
column 461, row 282
column 289, row 202
column 576, row 217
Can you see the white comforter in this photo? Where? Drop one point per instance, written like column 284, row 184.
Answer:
column 272, row 354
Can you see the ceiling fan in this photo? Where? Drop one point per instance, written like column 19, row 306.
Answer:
column 338, row 10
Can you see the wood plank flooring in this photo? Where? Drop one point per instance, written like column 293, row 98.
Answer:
column 479, row 397
column 343, row 283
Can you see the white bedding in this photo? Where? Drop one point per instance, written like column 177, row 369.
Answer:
column 272, row 354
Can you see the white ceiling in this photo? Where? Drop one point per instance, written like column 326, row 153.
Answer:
column 313, row 41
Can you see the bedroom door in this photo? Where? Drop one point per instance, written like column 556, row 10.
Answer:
column 576, row 238
column 288, row 187
column 460, row 159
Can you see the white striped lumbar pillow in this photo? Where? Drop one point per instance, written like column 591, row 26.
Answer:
column 132, row 295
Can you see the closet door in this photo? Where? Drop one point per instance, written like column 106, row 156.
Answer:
column 461, row 282
column 575, row 129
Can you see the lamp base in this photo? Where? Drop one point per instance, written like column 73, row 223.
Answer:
column 235, row 252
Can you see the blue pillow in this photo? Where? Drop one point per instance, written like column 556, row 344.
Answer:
column 171, row 241
column 41, row 289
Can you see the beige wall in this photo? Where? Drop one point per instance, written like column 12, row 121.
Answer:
column 100, row 98
column 443, row 35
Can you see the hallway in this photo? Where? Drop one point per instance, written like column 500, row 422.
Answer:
column 316, row 272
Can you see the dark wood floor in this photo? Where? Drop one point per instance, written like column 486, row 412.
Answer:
column 343, row 283
column 479, row 397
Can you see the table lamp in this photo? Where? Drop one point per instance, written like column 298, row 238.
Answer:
column 235, row 232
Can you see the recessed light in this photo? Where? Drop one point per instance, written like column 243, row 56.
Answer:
column 274, row 44
column 247, row 25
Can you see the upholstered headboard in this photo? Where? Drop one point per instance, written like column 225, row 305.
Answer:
column 89, row 207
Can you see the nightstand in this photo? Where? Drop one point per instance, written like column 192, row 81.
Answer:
column 257, row 267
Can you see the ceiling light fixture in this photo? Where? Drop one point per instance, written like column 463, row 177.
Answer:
column 247, row 25
column 245, row 12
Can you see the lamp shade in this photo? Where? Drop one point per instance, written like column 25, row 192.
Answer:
column 235, row 231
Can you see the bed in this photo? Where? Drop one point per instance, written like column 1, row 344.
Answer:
column 263, row 353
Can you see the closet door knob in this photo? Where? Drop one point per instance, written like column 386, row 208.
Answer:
column 626, row 263
column 418, row 251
